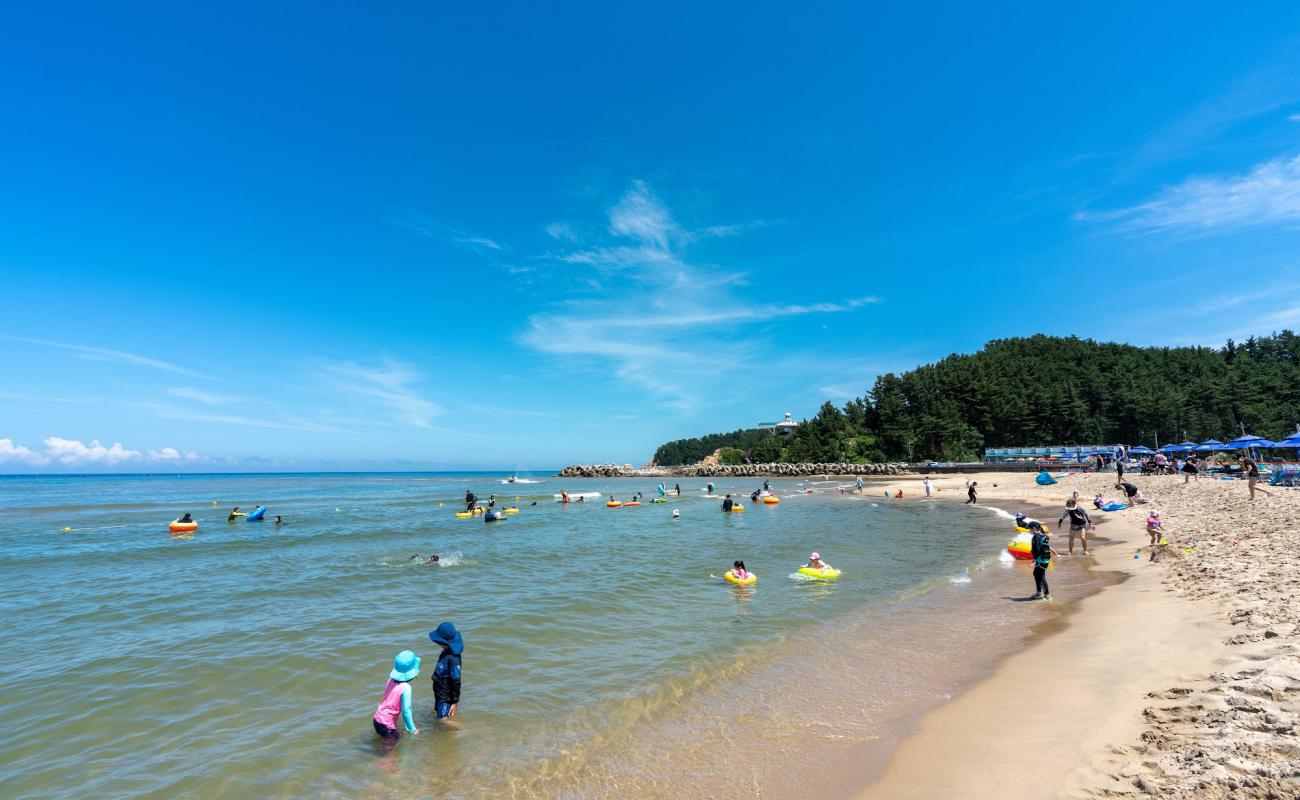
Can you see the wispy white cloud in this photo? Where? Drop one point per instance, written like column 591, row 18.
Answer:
column 208, row 398
column 433, row 230
column 562, row 231
column 664, row 330
column 495, row 411
column 75, row 453
column 116, row 356
column 291, row 423
column 1267, row 194
column 390, row 383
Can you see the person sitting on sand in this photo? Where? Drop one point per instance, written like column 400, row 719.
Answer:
column 1132, row 492
column 738, row 570
column 728, row 503
column 815, row 562
column 1155, row 527
column 1080, row 522
column 1098, row 501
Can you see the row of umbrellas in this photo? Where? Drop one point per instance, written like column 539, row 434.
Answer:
column 1214, row 445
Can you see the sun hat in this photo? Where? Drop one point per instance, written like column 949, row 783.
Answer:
column 1155, row 513
column 814, row 556
column 447, row 636
column 405, row 666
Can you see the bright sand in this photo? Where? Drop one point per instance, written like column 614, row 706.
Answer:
column 1183, row 680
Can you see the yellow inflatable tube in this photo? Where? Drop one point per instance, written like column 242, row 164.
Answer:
column 771, row 501
column 613, row 504
column 824, row 574
column 511, row 510
column 464, row 514
column 748, row 580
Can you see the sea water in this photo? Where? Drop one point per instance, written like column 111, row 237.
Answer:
column 603, row 653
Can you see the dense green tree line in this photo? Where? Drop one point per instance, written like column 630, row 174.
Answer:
column 1038, row 391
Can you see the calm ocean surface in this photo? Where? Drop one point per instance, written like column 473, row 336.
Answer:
column 601, row 657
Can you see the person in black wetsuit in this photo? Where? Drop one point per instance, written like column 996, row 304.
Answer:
column 727, row 503
column 470, row 500
column 1040, row 547
column 677, row 487
column 970, row 493
column 186, row 518
column 753, row 498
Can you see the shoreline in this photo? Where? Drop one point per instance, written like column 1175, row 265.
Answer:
column 1088, row 707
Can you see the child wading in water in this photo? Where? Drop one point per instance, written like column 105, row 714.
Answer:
column 446, row 673
column 1041, row 549
column 397, row 698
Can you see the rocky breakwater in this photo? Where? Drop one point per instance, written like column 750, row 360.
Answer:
column 729, row 470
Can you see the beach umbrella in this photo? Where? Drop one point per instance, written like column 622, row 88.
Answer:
column 1249, row 441
column 1170, row 448
column 1208, row 445
column 1187, row 446
column 1141, row 450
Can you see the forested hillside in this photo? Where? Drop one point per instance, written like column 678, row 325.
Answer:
column 1042, row 390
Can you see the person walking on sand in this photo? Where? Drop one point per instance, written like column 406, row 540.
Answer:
column 1119, row 469
column 926, row 483
column 1080, row 522
column 1040, row 547
column 970, row 493
column 397, row 699
column 1251, row 469
column 446, row 673
column 1190, row 469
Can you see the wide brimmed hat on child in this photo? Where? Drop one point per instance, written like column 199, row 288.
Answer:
column 447, row 636
column 405, row 666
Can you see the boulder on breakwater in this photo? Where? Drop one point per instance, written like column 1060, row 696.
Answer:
column 729, row 470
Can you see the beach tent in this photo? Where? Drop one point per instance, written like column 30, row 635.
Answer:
column 1044, row 479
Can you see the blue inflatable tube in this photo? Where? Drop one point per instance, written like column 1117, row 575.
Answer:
column 257, row 514
column 1114, row 507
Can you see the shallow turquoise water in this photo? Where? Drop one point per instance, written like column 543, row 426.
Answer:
column 247, row 660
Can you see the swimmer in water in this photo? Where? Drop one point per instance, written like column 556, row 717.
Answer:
column 738, row 570
column 278, row 520
column 235, row 514
column 432, row 560
column 815, row 562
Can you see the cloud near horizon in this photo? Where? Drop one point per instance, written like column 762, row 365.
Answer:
column 75, row 453
column 389, row 383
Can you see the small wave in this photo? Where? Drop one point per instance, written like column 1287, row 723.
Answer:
column 522, row 480
column 959, row 579
column 1005, row 557
column 999, row 512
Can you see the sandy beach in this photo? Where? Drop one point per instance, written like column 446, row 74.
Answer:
column 1182, row 680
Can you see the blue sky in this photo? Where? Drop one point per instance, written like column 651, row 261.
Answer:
column 423, row 235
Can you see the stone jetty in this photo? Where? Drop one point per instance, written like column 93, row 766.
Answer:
column 728, row 470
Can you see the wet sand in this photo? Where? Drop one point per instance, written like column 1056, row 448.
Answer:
column 1182, row 680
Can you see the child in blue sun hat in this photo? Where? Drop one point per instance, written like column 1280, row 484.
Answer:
column 446, row 673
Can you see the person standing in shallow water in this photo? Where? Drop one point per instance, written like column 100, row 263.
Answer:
column 446, row 673
column 970, row 493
